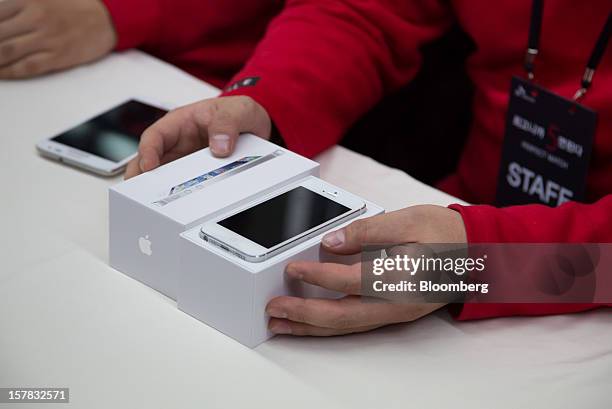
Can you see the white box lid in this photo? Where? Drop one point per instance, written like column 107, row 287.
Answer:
column 210, row 197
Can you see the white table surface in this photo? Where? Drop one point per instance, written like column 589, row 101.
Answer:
column 69, row 320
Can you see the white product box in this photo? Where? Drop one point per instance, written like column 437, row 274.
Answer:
column 231, row 294
column 147, row 214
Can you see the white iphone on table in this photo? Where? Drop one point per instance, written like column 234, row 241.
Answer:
column 106, row 143
column 282, row 220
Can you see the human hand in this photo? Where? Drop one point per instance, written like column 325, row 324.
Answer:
column 326, row 317
column 216, row 121
column 41, row 36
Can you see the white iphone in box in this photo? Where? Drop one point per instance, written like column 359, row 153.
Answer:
column 274, row 223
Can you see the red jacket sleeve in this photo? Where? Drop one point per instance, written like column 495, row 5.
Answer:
column 323, row 64
column 569, row 223
column 171, row 27
column 136, row 21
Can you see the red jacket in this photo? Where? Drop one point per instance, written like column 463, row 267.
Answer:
column 211, row 39
column 325, row 63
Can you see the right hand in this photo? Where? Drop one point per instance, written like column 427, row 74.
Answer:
column 216, row 122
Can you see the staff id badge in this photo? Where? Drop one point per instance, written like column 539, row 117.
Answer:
column 547, row 147
column 548, row 141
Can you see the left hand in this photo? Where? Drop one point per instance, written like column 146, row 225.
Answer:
column 215, row 122
column 42, row 36
column 326, row 317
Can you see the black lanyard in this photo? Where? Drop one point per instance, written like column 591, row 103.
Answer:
column 535, row 29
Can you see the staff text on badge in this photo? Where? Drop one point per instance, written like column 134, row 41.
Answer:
column 547, row 147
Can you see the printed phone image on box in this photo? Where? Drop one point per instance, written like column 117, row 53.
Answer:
column 216, row 175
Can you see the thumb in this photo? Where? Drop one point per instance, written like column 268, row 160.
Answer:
column 222, row 135
column 231, row 116
column 390, row 228
column 350, row 239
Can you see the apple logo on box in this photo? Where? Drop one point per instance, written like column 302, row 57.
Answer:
column 145, row 245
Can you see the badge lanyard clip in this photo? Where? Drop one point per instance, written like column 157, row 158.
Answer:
column 533, row 47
